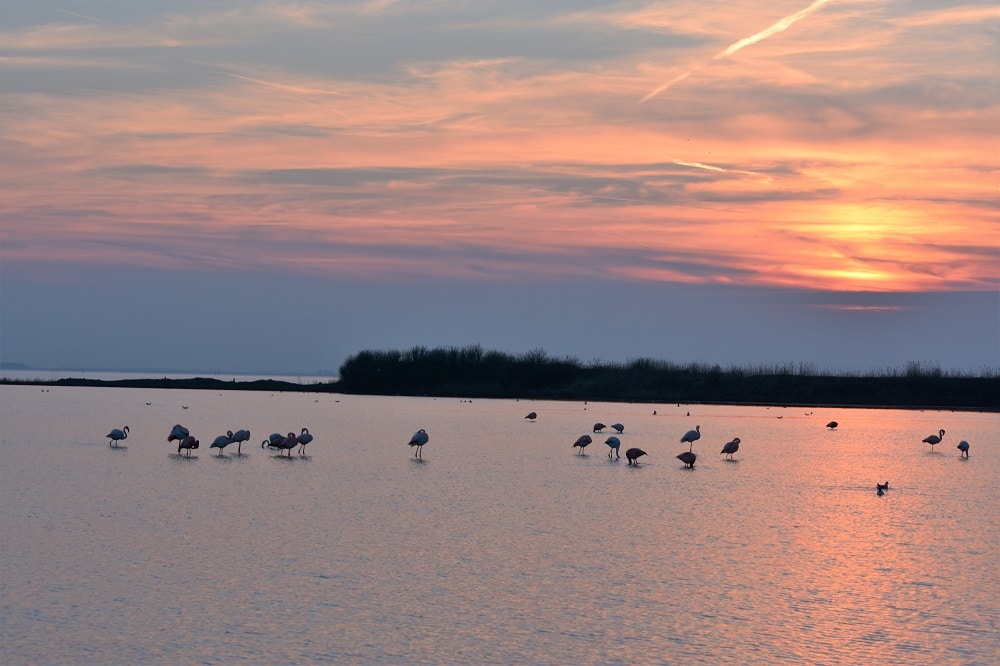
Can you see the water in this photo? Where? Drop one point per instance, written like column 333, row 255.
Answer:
column 502, row 546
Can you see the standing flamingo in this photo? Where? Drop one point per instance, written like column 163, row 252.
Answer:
column 691, row 436
column 963, row 446
column 582, row 441
column 633, row 455
column 934, row 439
column 239, row 437
column 731, row 447
column 618, row 427
column 273, row 441
column 222, row 441
column 613, row 444
column 418, row 440
column 303, row 438
column 188, row 443
column 178, row 432
column 688, row 458
column 117, row 435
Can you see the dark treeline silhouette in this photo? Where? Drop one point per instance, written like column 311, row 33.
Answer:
column 473, row 372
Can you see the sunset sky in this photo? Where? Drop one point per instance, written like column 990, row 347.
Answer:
column 240, row 186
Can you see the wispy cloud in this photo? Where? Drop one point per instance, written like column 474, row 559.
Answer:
column 779, row 26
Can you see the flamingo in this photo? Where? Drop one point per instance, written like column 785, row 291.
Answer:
column 117, row 435
column 832, row 425
column 188, row 442
column 598, row 427
column 688, row 458
column 178, row 432
column 239, row 437
column 418, row 440
column 222, row 441
column 287, row 443
column 691, row 436
column 613, row 442
column 531, row 416
column 934, row 439
column 582, row 441
column 731, row 447
column 273, row 441
column 619, row 427
column 963, row 446
column 633, row 455
column 304, row 438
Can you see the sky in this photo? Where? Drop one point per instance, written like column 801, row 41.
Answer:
column 244, row 186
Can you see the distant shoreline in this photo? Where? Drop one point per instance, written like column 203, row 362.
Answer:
column 211, row 384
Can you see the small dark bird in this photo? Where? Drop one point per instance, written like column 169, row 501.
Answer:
column 934, row 439
column 598, row 427
column 117, row 435
column 418, row 440
column 613, row 442
column 731, row 447
column 882, row 486
column 633, row 455
column 688, row 458
column 582, row 441
column 287, row 443
column 273, row 441
column 531, row 416
column 188, row 443
column 880, row 492
column 963, row 446
column 832, row 425
column 303, row 438
column 618, row 427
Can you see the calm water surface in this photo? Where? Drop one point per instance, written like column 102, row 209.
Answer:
column 502, row 546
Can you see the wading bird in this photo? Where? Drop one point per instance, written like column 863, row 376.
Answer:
column 178, row 432
column 117, row 435
column 882, row 486
column 688, row 458
column 287, row 443
column 188, row 443
column 731, row 447
column 531, row 416
column 832, row 425
column 963, row 446
column 304, row 438
column 418, row 440
column 934, row 439
column 222, row 441
column 633, row 455
column 598, row 427
column 582, row 441
column 614, row 443
column 273, row 441
column 239, row 437
column 880, row 491
column 619, row 427
column 691, row 436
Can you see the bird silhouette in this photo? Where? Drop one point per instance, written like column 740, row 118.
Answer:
column 287, row 443
column 239, row 437
column 582, row 441
column 688, row 458
column 188, row 443
column 117, row 435
column 934, row 439
column 178, row 432
column 273, row 441
column 963, row 446
column 731, row 447
column 880, row 492
column 633, row 455
column 618, row 427
column 598, row 427
column 691, row 436
column 882, row 486
column 531, row 416
column 304, row 438
column 222, row 441
column 832, row 425
column 418, row 440
column 613, row 442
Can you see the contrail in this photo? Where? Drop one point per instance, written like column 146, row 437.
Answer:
column 781, row 25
